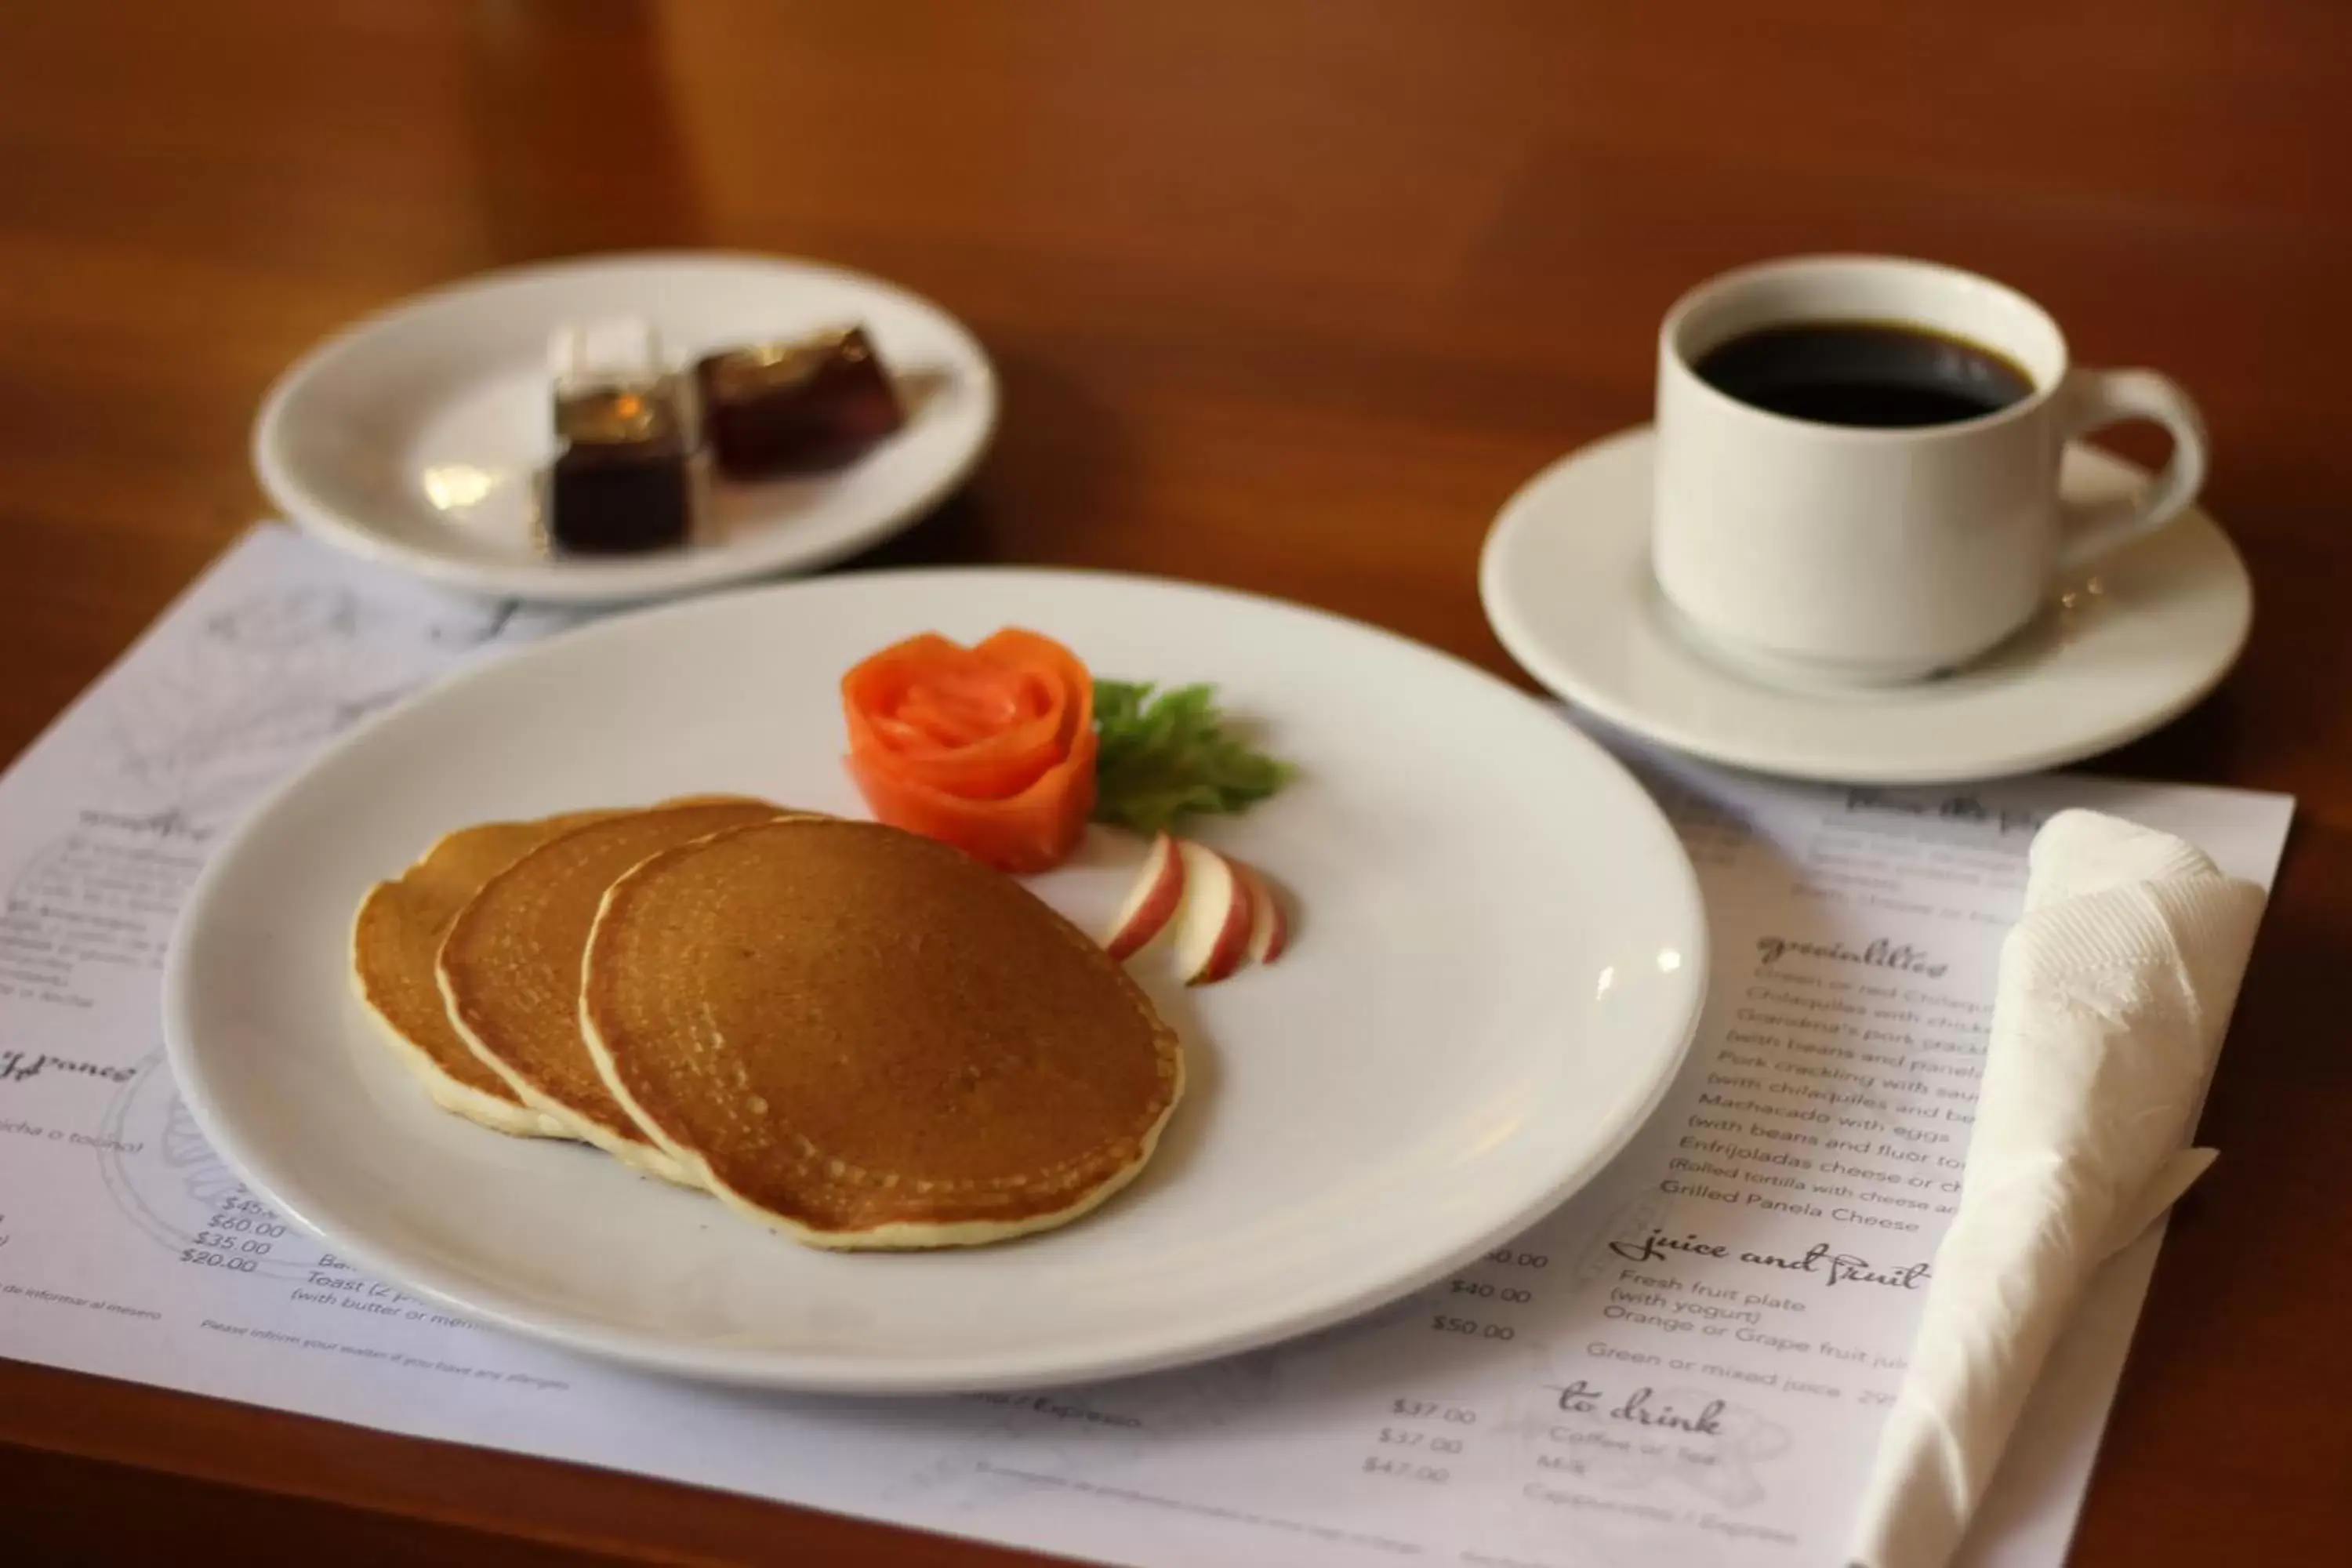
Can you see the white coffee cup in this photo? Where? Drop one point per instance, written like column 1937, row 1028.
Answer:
column 1815, row 553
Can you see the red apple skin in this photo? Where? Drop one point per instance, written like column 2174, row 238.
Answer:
column 1209, row 876
column 1269, row 927
column 1157, row 891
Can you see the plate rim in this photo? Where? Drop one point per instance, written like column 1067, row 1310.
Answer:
column 1561, row 677
column 585, row 582
column 990, row 1372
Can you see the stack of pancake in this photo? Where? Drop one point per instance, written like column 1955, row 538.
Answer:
column 858, row 1035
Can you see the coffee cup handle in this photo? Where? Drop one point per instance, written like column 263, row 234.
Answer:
column 2097, row 397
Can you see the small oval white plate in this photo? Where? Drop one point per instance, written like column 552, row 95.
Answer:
column 1498, row 961
column 413, row 438
column 1565, row 576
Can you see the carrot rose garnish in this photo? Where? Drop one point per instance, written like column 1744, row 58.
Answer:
column 990, row 748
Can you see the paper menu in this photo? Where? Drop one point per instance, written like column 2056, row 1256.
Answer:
column 1682, row 1366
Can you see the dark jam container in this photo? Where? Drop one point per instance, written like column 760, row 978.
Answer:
column 624, row 480
column 799, row 408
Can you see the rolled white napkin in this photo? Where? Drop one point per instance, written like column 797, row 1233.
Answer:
column 2115, row 986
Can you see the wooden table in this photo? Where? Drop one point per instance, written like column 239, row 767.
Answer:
column 1284, row 295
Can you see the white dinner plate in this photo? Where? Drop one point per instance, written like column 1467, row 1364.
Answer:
column 1497, row 963
column 2118, row 650
column 414, row 438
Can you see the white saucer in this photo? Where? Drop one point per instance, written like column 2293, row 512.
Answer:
column 413, row 438
column 1566, row 581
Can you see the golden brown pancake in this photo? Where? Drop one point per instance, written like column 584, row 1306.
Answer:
column 397, row 934
column 509, row 970
column 867, row 1039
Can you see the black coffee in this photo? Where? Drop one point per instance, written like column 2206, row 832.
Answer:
column 1863, row 372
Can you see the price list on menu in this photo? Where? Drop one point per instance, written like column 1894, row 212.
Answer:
column 1685, row 1365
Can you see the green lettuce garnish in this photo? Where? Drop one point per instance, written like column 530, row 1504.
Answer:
column 1167, row 754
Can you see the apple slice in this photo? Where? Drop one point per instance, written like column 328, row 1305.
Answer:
column 1212, row 929
column 1152, row 903
column 1269, row 927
